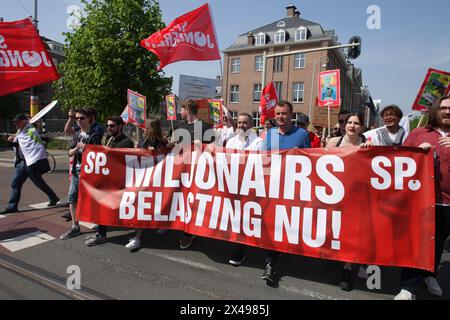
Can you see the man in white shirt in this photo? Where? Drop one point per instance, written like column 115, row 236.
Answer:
column 31, row 162
column 244, row 139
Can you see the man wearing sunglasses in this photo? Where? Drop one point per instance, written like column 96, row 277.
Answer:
column 82, row 137
column 114, row 139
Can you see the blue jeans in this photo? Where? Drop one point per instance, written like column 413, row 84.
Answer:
column 21, row 173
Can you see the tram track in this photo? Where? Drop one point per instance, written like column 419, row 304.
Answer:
column 48, row 280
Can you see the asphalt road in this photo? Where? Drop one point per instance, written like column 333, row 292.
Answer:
column 160, row 270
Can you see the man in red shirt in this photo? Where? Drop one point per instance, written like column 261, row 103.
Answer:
column 303, row 122
column 435, row 135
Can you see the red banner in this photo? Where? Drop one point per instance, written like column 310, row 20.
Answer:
column 189, row 37
column 24, row 60
column 268, row 102
column 370, row 206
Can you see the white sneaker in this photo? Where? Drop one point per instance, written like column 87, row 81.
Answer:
column 134, row 243
column 405, row 295
column 433, row 286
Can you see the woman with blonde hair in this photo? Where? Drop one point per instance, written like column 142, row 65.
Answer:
column 153, row 140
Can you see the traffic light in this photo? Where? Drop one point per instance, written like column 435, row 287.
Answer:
column 354, row 52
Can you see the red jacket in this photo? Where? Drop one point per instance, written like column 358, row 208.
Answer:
column 442, row 161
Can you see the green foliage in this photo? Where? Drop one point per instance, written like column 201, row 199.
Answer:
column 104, row 58
column 58, row 144
column 421, row 118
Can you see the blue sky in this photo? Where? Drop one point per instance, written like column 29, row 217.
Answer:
column 413, row 36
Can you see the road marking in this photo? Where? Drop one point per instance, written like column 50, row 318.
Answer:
column 309, row 293
column 187, row 262
column 6, row 165
column 26, row 240
column 303, row 292
column 42, row 205
column 2, row 216
column 88, row 225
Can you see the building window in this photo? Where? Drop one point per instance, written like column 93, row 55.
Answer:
column 280, row 36
column 298, row 92
column 257, row 92
column 258, row 63
column 234, row 93
column 281, row 24
column 300, row 34
column 235, row 65
column 278, row 88
column 299, row 61
column 256, row 122
column 235, row 115
column 278, row 64
column 260, row 39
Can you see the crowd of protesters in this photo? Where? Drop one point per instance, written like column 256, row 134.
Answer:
column 279, row 133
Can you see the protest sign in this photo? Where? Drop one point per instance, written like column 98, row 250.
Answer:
column 137, row 109
column 435, row 86
column 329, row 88
column 171, row 107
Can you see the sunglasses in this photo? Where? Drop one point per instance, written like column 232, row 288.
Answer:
column 110, row 125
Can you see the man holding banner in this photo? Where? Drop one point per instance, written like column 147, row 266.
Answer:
column 285, row 136
column 435, row 135
column 193, row 130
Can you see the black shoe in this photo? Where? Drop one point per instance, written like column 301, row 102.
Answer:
column 53, row 202
column 237, row 259
column 9, row 210
column 269, row 274
column 447, row 245
column 347, row 280
column 67, row 216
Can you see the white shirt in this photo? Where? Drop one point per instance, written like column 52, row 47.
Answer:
column 223, row 134
column 249, row 142
column 30, row 144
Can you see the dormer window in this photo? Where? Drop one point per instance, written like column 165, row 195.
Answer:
column 281, row 24
column 280, row 36
column 300, row 34
column 260, row 39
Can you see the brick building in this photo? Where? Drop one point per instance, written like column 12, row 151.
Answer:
column 294, row 76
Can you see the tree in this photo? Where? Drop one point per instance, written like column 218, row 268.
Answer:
column 104, row 57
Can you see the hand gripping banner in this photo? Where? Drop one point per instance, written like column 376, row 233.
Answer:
column 372, row 206
column 24, row 60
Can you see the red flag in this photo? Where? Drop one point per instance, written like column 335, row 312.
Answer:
column 268, row 102
column 24, row 60
column 189, row 37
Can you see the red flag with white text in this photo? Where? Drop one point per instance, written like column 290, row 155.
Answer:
column 269, row 100
column 188, row 37
column 24, row 60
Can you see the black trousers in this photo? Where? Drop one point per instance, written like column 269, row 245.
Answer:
column 411, row 278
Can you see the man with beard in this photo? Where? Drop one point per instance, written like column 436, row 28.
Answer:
column 435, row 135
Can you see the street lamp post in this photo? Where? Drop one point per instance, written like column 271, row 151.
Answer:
column 34, row 99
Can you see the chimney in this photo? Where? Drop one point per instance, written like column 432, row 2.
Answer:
column 250, row 39
column 291, row 10
column 1, row 19
column 297, row 13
